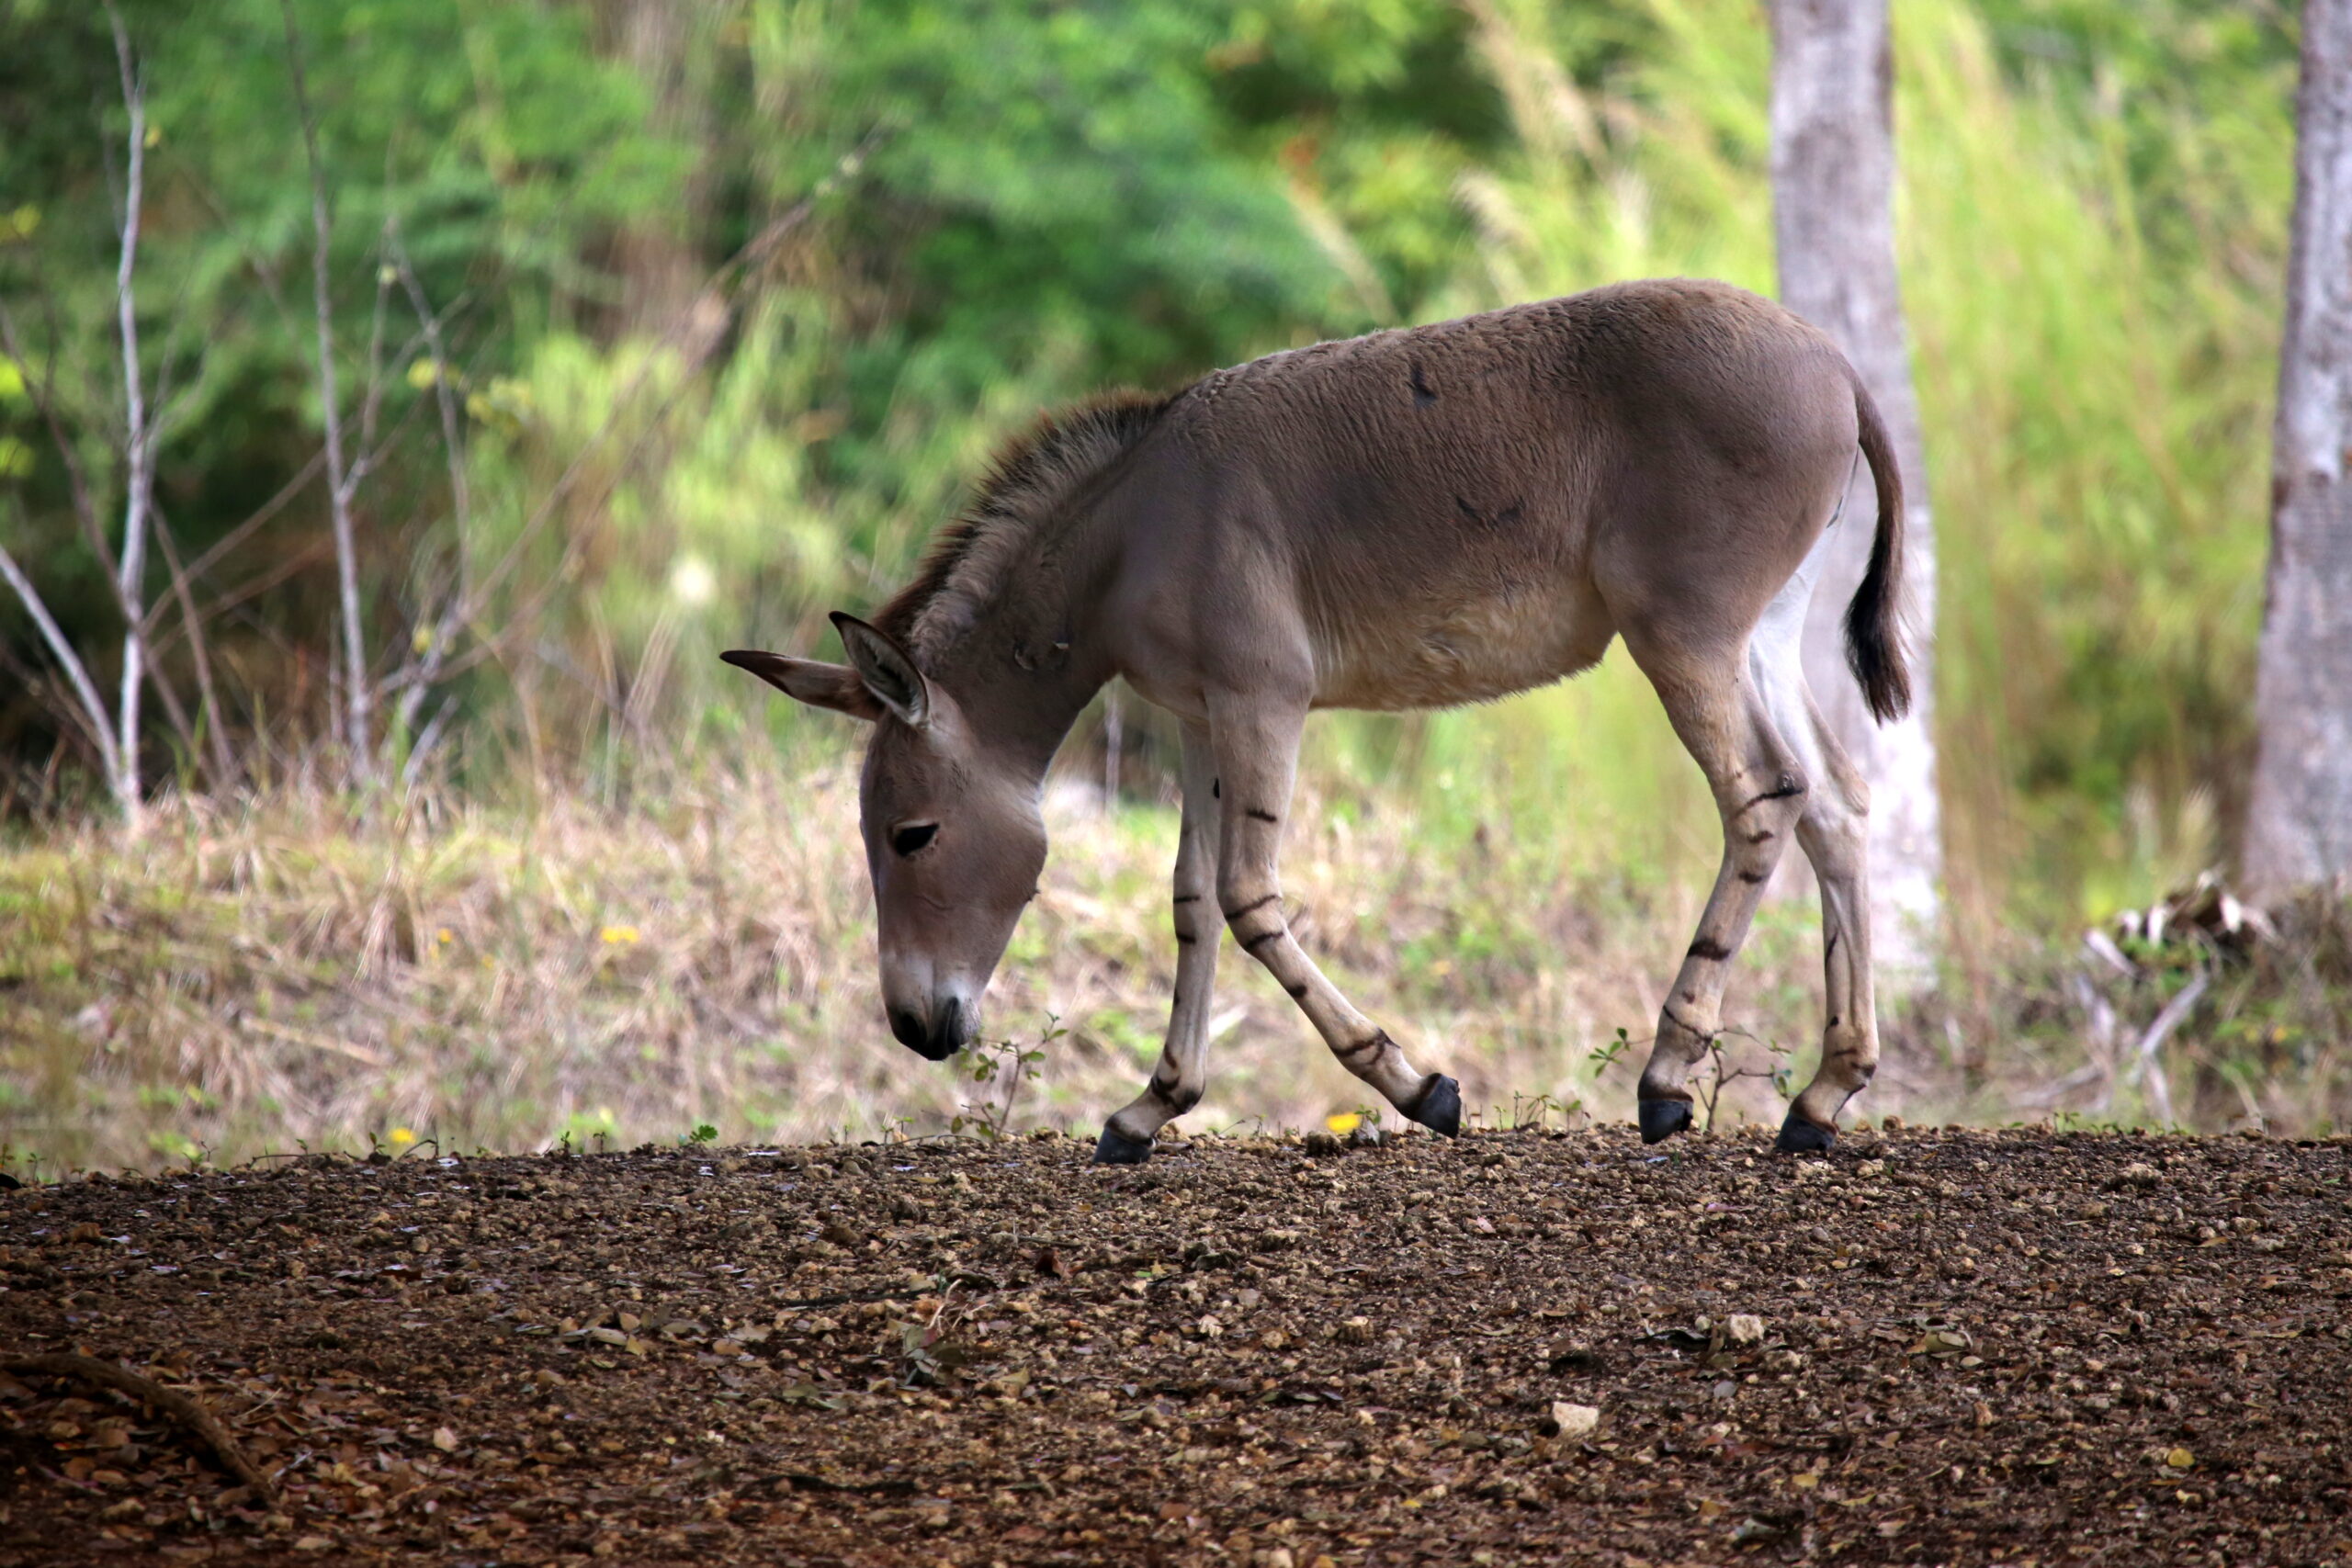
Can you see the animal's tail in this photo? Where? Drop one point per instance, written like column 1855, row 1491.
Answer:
column 1873, row 620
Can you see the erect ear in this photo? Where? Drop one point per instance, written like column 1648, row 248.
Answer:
column 888, row 671
column 834, row 686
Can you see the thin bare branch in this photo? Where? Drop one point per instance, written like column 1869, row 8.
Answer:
column 214, row 717
column 269, row 508
column 371, row 396
column 422, row 670
column 185, row 1409
column 138, row 621
column 44, row 401
column 281, row 566
column 358, row 691
column 92, row 712
column 427, row 743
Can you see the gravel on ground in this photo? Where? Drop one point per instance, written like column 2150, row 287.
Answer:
column 1935, row 1347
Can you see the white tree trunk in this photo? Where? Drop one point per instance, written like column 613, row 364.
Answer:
column 138, row 485
column 1833, row 196
column 2298, row 818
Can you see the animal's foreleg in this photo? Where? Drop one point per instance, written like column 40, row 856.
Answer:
column 1176, row 1084
column 1835, row 832
column 1257, row 756
column 1760, row 789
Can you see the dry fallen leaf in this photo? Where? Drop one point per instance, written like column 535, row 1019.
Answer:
column 444, row 1439
column 843, row 1420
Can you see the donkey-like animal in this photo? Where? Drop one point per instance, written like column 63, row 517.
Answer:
column 1412, row 519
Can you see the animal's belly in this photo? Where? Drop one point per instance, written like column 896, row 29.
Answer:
column 1468, row 651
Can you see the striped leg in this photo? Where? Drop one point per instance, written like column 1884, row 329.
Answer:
column 1835, row 832
column 1257, row 757
column 1760, row 788
column 1176, row 1084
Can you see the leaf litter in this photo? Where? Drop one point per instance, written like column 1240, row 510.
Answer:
column 1936, row 1348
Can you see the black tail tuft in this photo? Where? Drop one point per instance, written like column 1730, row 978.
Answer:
column 1873, row 621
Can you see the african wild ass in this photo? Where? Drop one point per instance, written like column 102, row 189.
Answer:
column 1412, row 519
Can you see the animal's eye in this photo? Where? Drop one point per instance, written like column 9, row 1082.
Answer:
column 906, row 840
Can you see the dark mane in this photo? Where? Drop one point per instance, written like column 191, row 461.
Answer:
column 1028, row 477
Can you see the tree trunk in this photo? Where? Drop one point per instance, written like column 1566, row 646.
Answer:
column 1833, row 195
column 2298, row 818
column 655, row 255
column 139, row 477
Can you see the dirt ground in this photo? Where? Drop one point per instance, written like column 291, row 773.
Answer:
column 1935, row 1347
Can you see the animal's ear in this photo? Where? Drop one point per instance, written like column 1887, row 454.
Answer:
column 834, row 686
column 887, row 669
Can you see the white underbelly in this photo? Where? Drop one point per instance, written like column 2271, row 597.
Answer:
column 1466, row 652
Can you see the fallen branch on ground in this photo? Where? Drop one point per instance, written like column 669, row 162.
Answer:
column 185, row 1408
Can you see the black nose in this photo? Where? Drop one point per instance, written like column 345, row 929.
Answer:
column 947, row 1032
column 942, row 1040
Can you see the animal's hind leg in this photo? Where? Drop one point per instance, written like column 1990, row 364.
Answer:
column 1759, row 787
column 1176, row 1084
column 1835, row 832
column 1257, row 754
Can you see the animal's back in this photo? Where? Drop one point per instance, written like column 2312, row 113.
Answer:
column 1438, row 494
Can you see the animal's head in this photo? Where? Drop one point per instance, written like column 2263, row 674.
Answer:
column 953, row 835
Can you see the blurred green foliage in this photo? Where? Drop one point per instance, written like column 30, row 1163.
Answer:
column 1058, row 197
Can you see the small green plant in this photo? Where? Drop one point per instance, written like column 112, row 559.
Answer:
column 700, row 1135
column 925, row 1352
column 986, row 1062
column 1723, row 1073
column 1539, row 1107
column 1605, row 1056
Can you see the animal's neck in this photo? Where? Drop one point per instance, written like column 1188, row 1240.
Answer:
column 1030, row 713
column 1035, row 654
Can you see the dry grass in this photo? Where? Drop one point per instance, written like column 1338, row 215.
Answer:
column 288, row 974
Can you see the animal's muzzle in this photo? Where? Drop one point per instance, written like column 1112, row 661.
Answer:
column 936, row 1038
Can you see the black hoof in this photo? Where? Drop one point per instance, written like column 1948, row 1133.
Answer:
column 1440, row 1107
column 1114, row 1148
column 1661, row 1119
column 1799, row 1137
